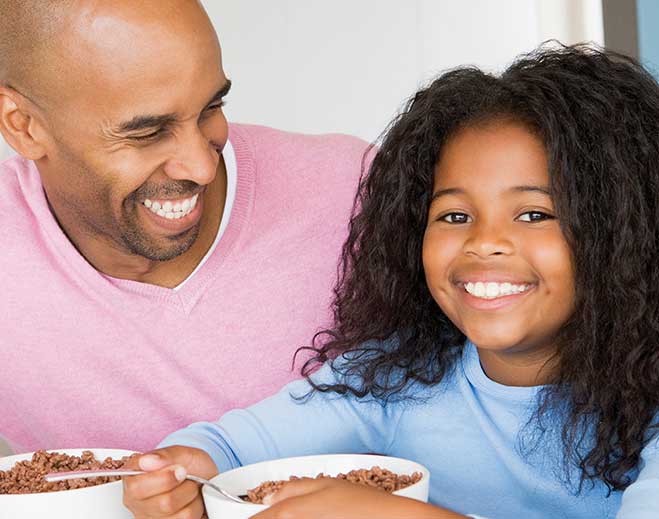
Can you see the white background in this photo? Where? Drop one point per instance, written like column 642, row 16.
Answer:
column 348, row 65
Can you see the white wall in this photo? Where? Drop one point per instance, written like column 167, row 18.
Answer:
column 5, row 150
column 347, row 65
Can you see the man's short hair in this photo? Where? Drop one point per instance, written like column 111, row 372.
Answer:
column 28, row 30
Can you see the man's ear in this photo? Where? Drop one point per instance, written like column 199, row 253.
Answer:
column 18, row 124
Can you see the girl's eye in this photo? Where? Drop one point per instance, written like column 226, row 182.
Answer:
column 455, row 218
column 534, row 216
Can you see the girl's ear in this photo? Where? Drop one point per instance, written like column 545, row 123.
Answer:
column 18, row 124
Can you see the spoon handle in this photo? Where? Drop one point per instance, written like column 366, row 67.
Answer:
column 84, row 474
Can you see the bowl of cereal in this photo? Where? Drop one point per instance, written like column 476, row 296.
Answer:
column 25, row 494
column 253, row 482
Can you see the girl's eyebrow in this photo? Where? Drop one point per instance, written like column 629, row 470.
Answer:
column 541, row 189
column 444, row 192
column 517, row 189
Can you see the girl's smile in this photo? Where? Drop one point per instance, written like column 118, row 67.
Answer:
column 494, row 255
column 492, row 291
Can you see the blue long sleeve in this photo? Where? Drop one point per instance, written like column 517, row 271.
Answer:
column 641, row 499
column 281, row 426
column 465, row 430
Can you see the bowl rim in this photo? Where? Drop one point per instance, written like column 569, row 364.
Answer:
column 425, row 473
column 45, row 495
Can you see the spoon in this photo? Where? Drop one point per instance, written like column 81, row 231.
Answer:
column 86, row 474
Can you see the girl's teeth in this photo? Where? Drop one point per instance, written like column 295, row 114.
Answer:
column 172, row 210
column 492, row 289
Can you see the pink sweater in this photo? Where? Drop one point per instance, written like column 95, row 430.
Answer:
column 93, row 361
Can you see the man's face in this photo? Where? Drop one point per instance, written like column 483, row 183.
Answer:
column 136, row 127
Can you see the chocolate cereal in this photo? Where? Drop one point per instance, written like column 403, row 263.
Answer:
column 375, row 477
column 26, row 477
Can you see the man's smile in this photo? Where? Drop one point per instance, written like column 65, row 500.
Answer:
column 173, row 215
column 172, row 209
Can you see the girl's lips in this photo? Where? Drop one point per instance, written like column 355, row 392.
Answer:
column 496, row 303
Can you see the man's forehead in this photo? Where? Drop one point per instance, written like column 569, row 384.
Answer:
column 116, row 67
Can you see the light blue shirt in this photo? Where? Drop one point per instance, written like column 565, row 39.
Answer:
column 465, row 430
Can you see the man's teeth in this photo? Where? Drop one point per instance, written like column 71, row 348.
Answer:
column 172, row 209
column 492, row 290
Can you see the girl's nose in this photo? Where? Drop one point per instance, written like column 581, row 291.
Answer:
column 486, row 240
column 195, row 159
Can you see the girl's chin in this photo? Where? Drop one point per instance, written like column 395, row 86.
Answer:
column 496, row 343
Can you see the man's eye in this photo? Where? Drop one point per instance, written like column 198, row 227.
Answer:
column 217, row 106
column 211, row 110
column 456, row 218
column 149, row 136
column 534, row 216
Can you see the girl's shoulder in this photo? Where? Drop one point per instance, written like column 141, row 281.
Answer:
column 378, row 370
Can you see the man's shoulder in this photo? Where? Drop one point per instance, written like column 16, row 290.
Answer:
column 268, row 143
column 262, row 133
column 11, row 170
column 16, row 178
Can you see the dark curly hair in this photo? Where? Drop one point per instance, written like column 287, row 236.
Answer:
column 597, row 113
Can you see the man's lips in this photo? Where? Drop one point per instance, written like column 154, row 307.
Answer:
column 175, row 214
column 171, row 208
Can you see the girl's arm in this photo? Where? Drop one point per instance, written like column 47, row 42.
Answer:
column 329, row 499
column 280, row 427
column 641, row 499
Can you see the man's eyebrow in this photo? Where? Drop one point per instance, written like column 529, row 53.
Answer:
column 517, row 189
column 144, row 122
column 222, row 92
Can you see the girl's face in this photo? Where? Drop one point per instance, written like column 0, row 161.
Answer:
column 494, row 256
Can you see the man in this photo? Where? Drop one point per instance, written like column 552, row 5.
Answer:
column 158, row 265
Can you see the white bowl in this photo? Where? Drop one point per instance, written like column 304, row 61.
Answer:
column 99, row 502
column 239, row 481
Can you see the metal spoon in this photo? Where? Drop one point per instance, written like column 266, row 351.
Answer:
column 87, row 474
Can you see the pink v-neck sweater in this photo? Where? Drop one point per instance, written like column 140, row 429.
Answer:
column 93, row 361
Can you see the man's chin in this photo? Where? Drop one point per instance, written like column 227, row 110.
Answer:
column 164, row 249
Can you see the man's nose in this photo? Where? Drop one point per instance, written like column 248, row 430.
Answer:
column 489, row 239
column 195, row 159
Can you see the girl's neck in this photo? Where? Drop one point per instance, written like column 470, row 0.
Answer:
column 519, row 368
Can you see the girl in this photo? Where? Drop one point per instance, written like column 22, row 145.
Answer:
column 497, row 312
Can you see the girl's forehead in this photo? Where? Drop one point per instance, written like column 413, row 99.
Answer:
column 496, row 154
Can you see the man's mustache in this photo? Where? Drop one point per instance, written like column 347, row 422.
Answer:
column 170, row 189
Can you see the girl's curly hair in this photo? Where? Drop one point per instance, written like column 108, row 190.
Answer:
column 598, row 115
